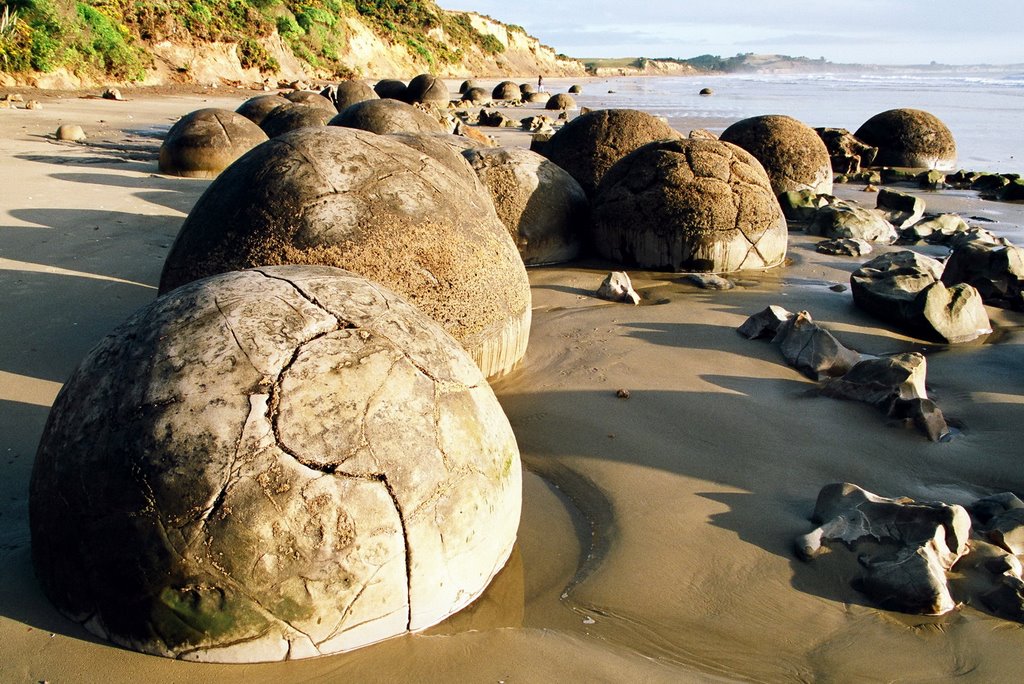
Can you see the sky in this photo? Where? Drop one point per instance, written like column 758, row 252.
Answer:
column 844, row 31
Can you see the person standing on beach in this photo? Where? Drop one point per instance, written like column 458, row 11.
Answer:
column 540, row 84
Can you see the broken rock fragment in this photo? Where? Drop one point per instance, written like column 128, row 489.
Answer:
column 617, row 287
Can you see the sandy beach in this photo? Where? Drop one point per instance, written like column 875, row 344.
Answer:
column 657, row 530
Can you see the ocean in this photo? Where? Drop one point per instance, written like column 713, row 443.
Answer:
column 984, row 108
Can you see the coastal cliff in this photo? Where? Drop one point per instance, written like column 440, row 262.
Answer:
column 66, row 44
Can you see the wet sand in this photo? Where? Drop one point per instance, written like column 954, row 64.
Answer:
column 657, row 530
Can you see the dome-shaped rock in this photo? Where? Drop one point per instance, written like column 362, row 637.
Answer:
column 790, row 151
column 560, row 101
column 506, row 90
column 427, row 88
column 476, row 96
column 534, row 98
column 909, row 137
column 272, row 464
column 543, row 207
column 203, row 143
column 588, row 145
column 526, row 89
column 348, row 93
column 390, row 88
column 348, row 198
column 293, row 116
column 310, row 99
column 255, row 109
column 387, row 116
column 575, row 89
column 689, row 205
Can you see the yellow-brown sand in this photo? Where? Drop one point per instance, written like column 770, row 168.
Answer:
column 657, row 530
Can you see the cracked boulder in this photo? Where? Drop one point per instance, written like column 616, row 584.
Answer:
column 205, row 142
column 272, row 464
column 789, row 150
column 386, row 115
column 909, row 138
column 543, row 207
column 904, row 288
column 689, row 205
column 591, row 143
column 427, row 88
column 341, row 197
column 310, row 99
column 909, row 545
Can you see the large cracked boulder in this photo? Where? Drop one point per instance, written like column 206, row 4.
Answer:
column 507, row 91
column 905, row 289
column 789, row 150
column 342, row 197
column 203, row 143
column 543, row 207
column 385, row 116
column 446, row 149
column 910, row 138
column 590, row 144
column 689, row 205
column 272, row 464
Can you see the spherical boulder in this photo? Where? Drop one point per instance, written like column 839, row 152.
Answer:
column 790, row 151
column 575, row 89
column 272, row 464
column 427, row 88
column 689, row 205
column 527, row 89
column 348, row 93
column 466, row 85
column 390, row 88
column 255, row 109
column 534, row 98
column 560, row 101
column 909, row 137
column 71, row 132
column 293, row 116
column 203, row 143
column 506, row 90
column 446, row 149
column 543, row 207
column 476, row 96
column 588, row 145
column 387, row 116
column 311, row 99
column 348, row 198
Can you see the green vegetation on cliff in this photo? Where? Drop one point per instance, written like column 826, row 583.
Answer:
column 109, row 37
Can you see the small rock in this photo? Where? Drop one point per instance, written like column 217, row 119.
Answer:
column 707, row 91
column 1007, row 530
column 870, row 188
column 995, row 271
column 710, row 281
column 622, row 393
column 925, row 415
column 766, row 323
column 800, row 206
column 985, row 509
column 838, row 287
column 71, row 132
column 852, row 247
column 112, row 94
column 881, row 381
column 33, row 104
column 846, row 220
column 701, row 134
column 617, row 287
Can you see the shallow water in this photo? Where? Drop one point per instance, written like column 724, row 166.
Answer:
column 983, row 109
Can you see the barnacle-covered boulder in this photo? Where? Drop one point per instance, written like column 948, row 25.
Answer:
column 342, row 197
column 789, row 150
column 689, row 205
column 272, row 464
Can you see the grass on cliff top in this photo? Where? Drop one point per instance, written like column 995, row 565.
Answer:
column 107, row 38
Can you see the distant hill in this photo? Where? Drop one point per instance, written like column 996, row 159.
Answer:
column 67, row 43
column 705, row 64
